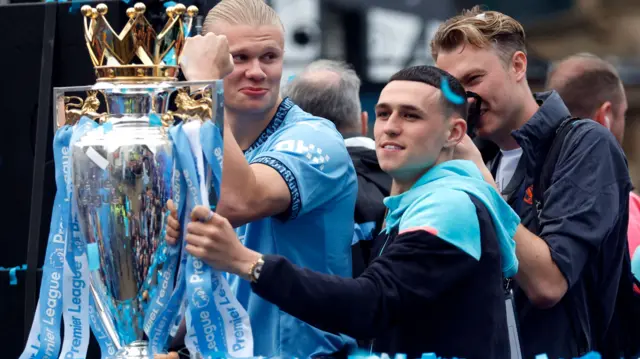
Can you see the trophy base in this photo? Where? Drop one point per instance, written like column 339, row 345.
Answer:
column 135, row 350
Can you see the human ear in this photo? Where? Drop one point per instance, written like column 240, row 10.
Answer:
column 457, row 131
column 519, row 65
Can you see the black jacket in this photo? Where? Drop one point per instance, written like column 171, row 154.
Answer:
column 584, row 223
column 373, row 186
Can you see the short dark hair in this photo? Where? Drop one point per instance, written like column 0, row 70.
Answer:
column 434, row 76
column 585, row 92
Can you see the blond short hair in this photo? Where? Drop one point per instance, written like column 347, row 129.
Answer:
column 481, row 29
column 241, row 12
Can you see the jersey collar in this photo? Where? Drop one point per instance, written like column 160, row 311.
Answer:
column 274, row 125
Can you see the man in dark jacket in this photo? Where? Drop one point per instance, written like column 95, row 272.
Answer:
column 436, row 282
column 572, row 241
column 591, row 88
column 331, row 90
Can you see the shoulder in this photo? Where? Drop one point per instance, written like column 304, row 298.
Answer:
column 302, row 132
column 448, row 214
column 436, row 206
column 298, row 120
column 587, row 134
column 591, row 148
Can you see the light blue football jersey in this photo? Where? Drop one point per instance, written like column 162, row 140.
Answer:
column 316, row 231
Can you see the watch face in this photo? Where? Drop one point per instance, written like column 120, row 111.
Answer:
column 257, row 269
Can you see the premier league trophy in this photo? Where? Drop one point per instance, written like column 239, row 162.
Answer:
column 123, row 172
column 115, row 172
column 118, row 162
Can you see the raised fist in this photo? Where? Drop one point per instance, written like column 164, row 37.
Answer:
column 206, row 58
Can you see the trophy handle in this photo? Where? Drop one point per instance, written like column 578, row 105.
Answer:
column 75, row 108
column 198, row 106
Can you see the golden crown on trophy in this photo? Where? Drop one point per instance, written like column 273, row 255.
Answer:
column 137, row 54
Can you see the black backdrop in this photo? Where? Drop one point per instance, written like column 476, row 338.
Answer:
column 22, row 28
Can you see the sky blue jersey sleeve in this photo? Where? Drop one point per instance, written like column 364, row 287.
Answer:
column 312, row 159
column 448, row 214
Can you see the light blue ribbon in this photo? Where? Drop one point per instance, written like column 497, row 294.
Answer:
column 207, row 323
column 55, row 256
column 49, row 312
column 165, row 307
column 107, row 347
column 76, row 301
column 212, row 142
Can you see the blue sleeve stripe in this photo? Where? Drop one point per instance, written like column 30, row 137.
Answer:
column 289, row 178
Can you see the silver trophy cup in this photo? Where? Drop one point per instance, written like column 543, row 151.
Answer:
column 122, row 170
column 123, row 176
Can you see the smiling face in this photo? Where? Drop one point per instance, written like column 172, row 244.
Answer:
column 412, row 132
column 483, row 71
column 254, row 84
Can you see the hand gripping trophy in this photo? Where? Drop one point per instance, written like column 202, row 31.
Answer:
column 108, row 266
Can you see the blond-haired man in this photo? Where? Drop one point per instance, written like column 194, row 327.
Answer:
column 572, row 240
column 289, row 187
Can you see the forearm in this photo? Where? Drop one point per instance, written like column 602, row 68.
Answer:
column 331, row 303
column 538, row 275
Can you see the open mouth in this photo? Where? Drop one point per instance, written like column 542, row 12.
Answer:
column 391, row 146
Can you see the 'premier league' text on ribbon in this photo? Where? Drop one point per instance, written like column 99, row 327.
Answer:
column 78, row 286
column 205, row 317
column 236, row 320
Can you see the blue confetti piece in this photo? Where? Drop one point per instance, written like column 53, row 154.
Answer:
column 93, row 256
column 169, row 3
column 170, row 58
column 13, row 280
column 291, row 78
column 429, row 356
column 107, row 126
column 591, row 355
column 154, row 120
column 448, row 94
column 542, row 356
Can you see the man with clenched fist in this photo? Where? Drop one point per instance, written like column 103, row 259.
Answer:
column 289, row 186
